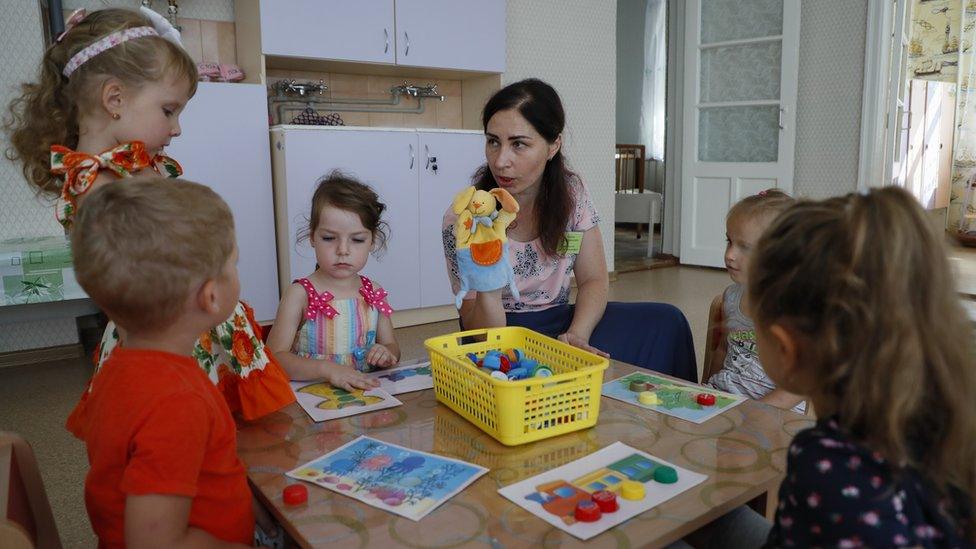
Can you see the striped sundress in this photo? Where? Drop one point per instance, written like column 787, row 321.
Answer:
column 340, row 330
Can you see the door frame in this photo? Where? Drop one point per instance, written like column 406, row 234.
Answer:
column 876, row 121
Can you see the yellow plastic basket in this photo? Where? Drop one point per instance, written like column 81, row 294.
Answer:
column 516, row 412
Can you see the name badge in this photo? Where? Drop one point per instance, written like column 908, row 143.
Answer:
column 571, row 243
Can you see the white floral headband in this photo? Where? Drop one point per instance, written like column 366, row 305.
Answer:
column 161, row 27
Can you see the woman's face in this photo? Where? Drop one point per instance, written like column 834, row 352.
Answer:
column 516, row 152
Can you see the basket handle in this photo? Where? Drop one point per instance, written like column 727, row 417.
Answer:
column 485, row 332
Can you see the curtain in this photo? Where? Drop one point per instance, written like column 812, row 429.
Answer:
column 654, row 82
column 962, row 202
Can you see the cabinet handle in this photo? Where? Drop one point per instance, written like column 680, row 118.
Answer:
column 427, row 154
column 386, row 38
column 407, row 51
column 411, row 157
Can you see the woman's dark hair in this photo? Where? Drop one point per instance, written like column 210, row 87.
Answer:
column 539, row 104
column 345, row 192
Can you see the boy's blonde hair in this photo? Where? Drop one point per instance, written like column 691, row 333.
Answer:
column 764, row 206
column 141, row 246
column 46, row 112
column 865, row 283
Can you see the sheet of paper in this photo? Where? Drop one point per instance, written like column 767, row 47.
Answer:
column 671, row 397
column 323, row 402
column 407, row 377
column 554, row 495
column 406, row 482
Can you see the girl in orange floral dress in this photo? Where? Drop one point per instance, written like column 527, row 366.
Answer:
column 108, row 100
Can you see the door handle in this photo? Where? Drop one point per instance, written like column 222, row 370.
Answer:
column 411, row 157
column 386, row 38
column 406, row 51
column 780, row 121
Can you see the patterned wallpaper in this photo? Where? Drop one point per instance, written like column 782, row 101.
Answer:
column 831, row 78
column 571, row 44
column 217, row 10
column 21, row 213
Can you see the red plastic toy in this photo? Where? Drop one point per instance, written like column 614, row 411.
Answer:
column 706, row 399
column 606, row 501
column 587, row 511
column 295, row 494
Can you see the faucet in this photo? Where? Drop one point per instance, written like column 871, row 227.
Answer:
column 430, row 90
column 172, row 12
column 292, row 87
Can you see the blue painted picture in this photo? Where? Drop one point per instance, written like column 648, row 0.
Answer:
column 397, row 479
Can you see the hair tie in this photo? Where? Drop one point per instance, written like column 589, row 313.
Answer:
column 76, row 17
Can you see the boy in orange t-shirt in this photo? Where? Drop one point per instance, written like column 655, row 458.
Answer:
column 159, row 257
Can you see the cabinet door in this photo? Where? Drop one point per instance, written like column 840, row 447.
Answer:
column 451, row 34
column 385, row 160
column 225, row 145
column 457, row 156
column 329, row 29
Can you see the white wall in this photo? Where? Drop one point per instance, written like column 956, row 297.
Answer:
column 630, row 68
column 21, row 212
column 571, row 44
column 831, row 77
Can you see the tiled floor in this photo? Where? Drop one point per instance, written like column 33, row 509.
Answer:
column 35, row 400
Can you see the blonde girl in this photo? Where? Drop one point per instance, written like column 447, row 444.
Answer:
column 107, row 101
column 856, row 309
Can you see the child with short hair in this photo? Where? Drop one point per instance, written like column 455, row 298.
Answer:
column 335, row 323
column 740, row 371
column 160, row 258
column 856, row 309
column 107, row 101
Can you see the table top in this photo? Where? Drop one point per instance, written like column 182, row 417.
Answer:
column 743, row 451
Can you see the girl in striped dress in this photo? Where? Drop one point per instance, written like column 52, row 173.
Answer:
column 335, row 324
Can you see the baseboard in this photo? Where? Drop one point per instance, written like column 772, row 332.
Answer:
column 37, row 356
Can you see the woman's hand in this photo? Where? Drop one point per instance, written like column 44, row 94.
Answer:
column 581, row 343
column 344, row 377
column 379, row 355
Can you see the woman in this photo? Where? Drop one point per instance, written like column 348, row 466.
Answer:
column 554, row 235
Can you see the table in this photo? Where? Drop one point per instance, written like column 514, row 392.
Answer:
column 743, row 451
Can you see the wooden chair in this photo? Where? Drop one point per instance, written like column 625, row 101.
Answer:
column 26, row 519
column 713, row 340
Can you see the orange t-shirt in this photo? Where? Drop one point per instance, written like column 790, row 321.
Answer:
column 162, row 427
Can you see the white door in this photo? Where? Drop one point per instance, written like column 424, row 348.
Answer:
column 456, row 156
column 329, row 29
column 233, row 114
column 897, row 116
column 741, row 61
column 451, row 34
column 387, row 161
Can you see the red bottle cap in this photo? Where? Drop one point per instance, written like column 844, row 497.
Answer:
column 587, row 511
column 706, row 399
column 606, row 500
column 504, row 364
column 295, row 494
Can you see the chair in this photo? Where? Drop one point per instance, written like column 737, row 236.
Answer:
column 26, row 519
column 713, row 339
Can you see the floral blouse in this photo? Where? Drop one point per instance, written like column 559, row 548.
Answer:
column 838, row 493
column 542, row 281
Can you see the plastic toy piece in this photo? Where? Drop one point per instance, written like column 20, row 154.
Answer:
column 504, row 364
column 295, row 494
column 499, row 375
column 529, row 364
column 632, row 490
column 541, row 371
column 666, row 474
column 491, row 361
column 517, row 373
column 706, row 399
column 474, row 358
column 587, row 511
column 648, row 398
column 606, row 500
column 638, row 386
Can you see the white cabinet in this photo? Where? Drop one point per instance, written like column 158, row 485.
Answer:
column 329, row 29
column 224, row 145
column 457, row 156
column 451, row 34
column 445, row 34
column 399, row 165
